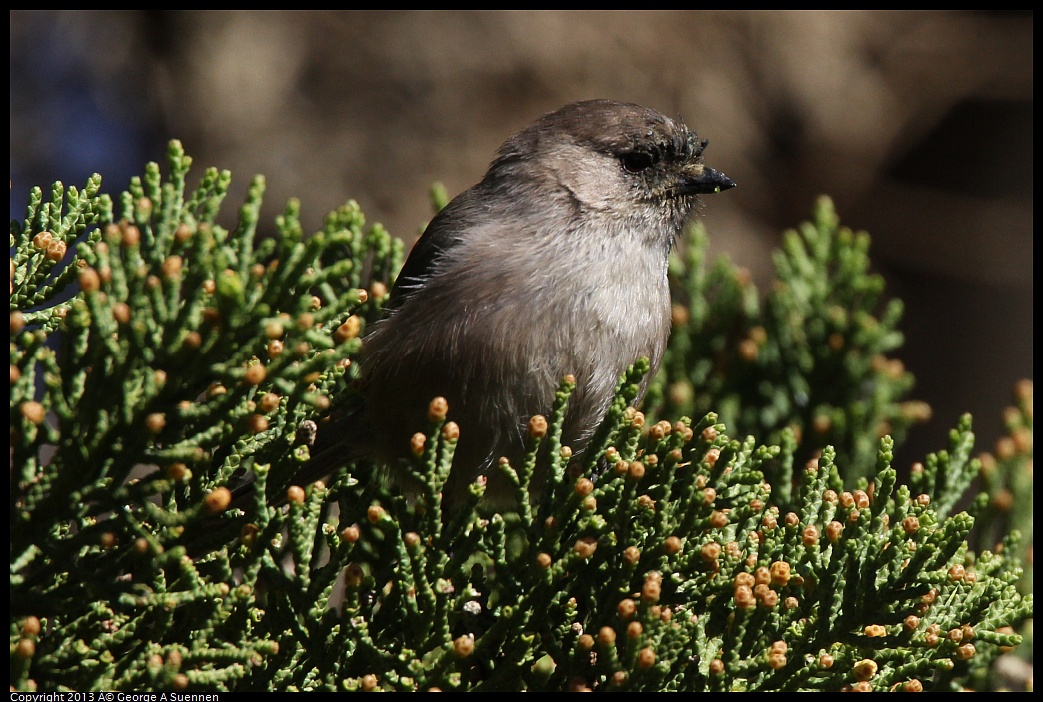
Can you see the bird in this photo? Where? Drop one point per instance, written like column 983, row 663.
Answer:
column 554, row 264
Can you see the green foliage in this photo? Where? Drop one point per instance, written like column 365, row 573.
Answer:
column 811, row 357
column 670, row 557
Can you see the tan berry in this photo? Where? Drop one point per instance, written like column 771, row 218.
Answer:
column 607, row 636
column 748, row 350
column 89, row 279
column 348, row 330
column 55, row 251
column 30, row 626
column 178, row 472
column 257, row 423
column 672, row 545
column 32, row 411
column 584, row 487
column 42, row 240
column 632, row 555
column 1003, row 500
column 744, row 597
column 585, row 547
column 543, row 560
column 193, row 340
column 437, row 409
column 651, row 590
column 659, row 430
column 710, row 551
column 864, row 669
column 626, row 609
column 463, row 646
column 351, row 534
column 718, row 519
column 248, row 534
column 378, row 290
column 636, row 470
column 875, row 631
column 269, row 402
column 910, row 525
column 965, row 651
column 646, row 658
column 121, row 312
column 780, row 573
column 255, row 374
column 833, row 531
column 810, row 535
column 375, row 513
column 416, row 444
column 172, row 266
column 217, row 500
column 585, row 642
column 679, row 315
column 295, row 494
column 451, row 431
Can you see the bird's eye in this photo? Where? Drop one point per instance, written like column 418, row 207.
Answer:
column 638, row 161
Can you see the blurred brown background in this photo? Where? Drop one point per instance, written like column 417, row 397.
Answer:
column 918, row 124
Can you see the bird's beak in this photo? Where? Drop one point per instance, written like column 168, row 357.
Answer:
column 708, row 181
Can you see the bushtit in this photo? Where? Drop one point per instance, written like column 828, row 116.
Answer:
column 554, row 264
